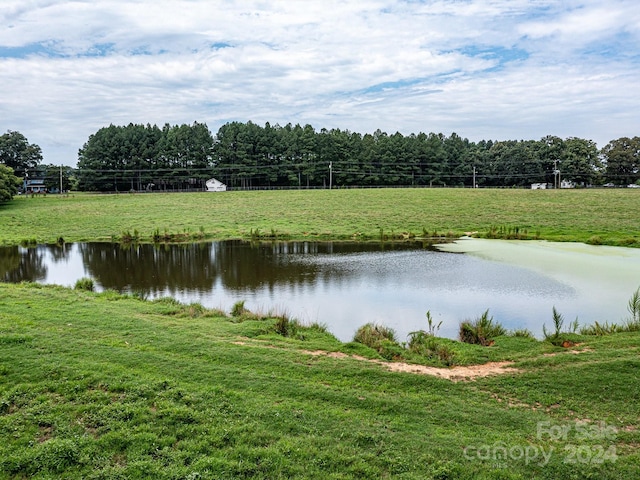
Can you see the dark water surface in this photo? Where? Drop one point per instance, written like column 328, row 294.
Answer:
column 342, row 285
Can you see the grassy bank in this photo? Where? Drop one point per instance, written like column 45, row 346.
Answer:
column 109, row 386
column 595, row 216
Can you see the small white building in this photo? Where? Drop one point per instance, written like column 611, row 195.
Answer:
column 539, row 186
column 214, row 185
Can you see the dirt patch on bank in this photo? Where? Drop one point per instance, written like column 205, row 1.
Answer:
column 459, row 373
column 455, row 374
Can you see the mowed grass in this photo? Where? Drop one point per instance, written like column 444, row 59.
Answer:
column 109, row 386
column 606, row 216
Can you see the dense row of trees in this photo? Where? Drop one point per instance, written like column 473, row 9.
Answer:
column 246, row 155
column 138, row 157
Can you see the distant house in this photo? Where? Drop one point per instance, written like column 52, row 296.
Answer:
column 540, row 186
column 35, row 185
column 567, row 184
column 214, row 185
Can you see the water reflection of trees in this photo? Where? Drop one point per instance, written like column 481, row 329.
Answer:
column 156, row 269
column 22, row 264
column 153, row 269
column 148, row 268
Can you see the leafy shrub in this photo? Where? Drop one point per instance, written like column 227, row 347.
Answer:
column 481, row 331
column 85, row 284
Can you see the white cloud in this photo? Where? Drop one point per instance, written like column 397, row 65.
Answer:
column 482, row 68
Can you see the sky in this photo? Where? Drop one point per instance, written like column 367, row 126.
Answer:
column 484, row 69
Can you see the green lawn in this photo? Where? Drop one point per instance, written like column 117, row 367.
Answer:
column 109, row 386
column 608, row 216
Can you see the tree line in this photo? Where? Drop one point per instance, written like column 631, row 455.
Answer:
column 246, row 155
column 145, row 157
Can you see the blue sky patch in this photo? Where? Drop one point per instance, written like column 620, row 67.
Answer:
column 499, row 53
column 25, row 51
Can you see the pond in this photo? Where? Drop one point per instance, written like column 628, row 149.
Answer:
column 345, row 285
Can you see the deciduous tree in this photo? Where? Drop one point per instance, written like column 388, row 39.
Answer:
column 8, row 183
column 16, row 152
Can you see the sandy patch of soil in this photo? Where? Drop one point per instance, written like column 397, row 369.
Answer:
column 459, row 373
column 571, row 352
column 453, row 373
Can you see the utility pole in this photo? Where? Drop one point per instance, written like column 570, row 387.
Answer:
column 60, row 179
column 556, row 174
column 330, row 174
column 474, row 177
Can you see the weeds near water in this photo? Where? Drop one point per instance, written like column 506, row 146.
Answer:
column 632, row 324
column 432, row 327
column 481, row 331
column 140, row 295
column 510, row 233
column 558, row 321
column 238, row 309
column 272, row 235
column 380, row 338
column 522, row 333
column 128, row 237
column 28, row 242
column 429, row 346
column 85, row 284
column 371, row 334
column 601, row 329
column 634, row 307
column 286, row 326
column 558, row 337
column 594, row 240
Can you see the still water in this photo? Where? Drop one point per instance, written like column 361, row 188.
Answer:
column 345, row 285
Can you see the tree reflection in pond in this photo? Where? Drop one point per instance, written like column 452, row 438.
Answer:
column 348, row 284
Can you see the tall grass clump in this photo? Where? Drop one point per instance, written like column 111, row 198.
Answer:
column 238, row 309
column 285, row 326
column 631, row 325
column 481, row 331
column 558, row 337
column 522, row 333
column 85, row 284
column 426, row 344
column 634, row 308
column 380, row 338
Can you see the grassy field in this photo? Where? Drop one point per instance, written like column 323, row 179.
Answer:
column 102, row 386
column 607, row 216
column 108, row 386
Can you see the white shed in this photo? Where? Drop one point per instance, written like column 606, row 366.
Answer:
column 539, row 186
column 214, row 185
